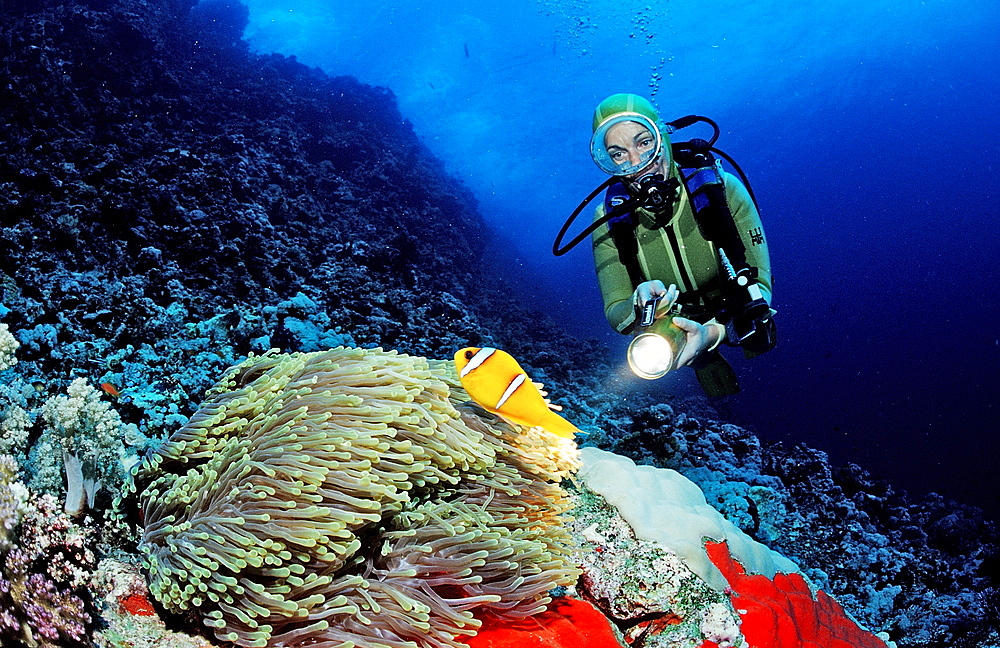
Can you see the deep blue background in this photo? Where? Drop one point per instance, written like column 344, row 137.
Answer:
column 868, row 129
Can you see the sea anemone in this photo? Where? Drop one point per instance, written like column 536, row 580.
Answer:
column 340, row 496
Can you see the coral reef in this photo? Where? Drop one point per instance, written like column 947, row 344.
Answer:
column 340, row 497
column 134, row 233
column 172, row 202
column 652, row 596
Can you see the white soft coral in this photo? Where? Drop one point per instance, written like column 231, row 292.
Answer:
column 8, row 345
column 87, row 434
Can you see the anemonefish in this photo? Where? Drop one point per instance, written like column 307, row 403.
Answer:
column 495, row 380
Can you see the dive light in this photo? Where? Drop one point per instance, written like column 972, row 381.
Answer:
column 654, row 352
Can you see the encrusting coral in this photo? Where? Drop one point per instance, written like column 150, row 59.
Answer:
column 340, row 498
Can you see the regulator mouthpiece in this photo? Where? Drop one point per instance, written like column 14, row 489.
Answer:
column 653, row 353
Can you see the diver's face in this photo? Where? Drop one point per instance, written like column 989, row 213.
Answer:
column 627, row 142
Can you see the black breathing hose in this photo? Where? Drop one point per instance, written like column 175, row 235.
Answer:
column 559, row 251
column 628, row 205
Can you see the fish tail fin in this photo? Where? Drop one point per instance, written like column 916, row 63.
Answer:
column 566, row 434
column 560, row 426
column 555, row 424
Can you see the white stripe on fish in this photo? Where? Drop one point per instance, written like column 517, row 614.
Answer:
column 511, row 388
column 477, row 360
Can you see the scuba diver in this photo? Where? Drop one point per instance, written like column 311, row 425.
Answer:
column 678, row 244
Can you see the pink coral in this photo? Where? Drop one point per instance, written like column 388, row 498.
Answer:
column 43, row 583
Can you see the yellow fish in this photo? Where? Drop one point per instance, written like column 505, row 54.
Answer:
column 495, row 380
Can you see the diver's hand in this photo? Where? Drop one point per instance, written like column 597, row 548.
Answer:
column 698, row 339
column 650, row 289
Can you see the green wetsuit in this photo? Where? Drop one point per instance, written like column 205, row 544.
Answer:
column 674, row 251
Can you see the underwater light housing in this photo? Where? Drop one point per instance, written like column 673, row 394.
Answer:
column 653, row 353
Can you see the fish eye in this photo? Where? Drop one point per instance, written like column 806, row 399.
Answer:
column 469, row 354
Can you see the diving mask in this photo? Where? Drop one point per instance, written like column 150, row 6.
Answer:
column 626, row 144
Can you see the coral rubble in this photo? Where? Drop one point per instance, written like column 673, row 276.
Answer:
column 652, row 596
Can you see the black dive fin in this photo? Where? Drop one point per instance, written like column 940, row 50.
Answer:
column 716, row 375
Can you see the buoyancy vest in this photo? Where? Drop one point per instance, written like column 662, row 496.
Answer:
column 707, row 194
column 742, row 304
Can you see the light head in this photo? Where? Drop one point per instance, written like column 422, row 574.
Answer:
column 653, row 353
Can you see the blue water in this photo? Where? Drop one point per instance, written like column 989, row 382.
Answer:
column 869, row 131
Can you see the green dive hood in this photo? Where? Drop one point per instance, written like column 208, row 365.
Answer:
column 620, row 107
column 624, row 102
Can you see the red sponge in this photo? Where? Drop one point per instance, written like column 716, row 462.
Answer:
column 782, row 613
column 776, row 613
column 567, row 623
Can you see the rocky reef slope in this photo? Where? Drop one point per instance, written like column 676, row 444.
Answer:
column 171, row 202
